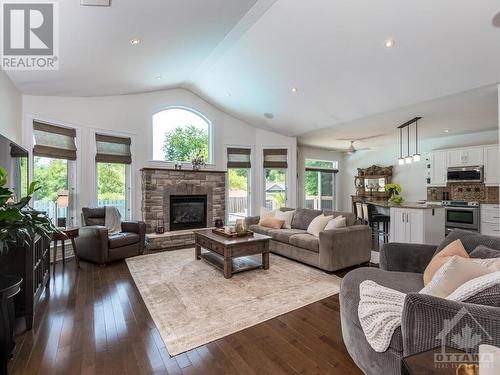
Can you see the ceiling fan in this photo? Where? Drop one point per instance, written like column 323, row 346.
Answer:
column 352, row 150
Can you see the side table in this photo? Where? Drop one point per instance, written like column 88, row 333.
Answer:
column 9, row 287
column 69, row 233
column 424, row 363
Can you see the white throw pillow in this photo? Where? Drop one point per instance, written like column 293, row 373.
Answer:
column 287, row 216
column 336, row 222
column 451, row 275
column 318, row 224
column 265, row 213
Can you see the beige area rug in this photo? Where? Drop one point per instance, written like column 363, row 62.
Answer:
column 192, row 304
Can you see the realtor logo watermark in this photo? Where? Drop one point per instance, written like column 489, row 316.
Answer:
column 30, row 35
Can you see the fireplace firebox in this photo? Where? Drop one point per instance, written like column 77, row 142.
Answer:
column 188, row 212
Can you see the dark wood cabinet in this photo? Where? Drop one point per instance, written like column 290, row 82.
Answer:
column 32, row 264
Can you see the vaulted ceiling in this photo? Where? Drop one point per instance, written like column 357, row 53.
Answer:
column 245, row 56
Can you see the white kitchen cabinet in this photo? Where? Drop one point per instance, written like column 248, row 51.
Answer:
column 417, row 225
column 490, row 219
column 438, row 168
column 491, row 165
column 469, row 156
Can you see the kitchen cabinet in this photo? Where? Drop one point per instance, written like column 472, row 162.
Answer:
column 438, row 167
column 469, row 156
column 491, row 165
column 417, row 225
column 490, row 219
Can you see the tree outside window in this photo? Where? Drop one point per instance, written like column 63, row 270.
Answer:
column 179, row 134
column 112, row 186
column 275, row 180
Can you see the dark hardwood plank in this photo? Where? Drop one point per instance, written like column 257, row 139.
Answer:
column 94, row 321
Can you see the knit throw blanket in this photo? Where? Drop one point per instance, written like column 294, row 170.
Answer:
column 380, row 308
column 112, row 220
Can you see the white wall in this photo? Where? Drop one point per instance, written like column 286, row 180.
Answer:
column 412, row 177
column 132, row 114
column 320, row 154
column 10, row 109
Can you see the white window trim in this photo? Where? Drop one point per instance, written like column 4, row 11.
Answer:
column 250, row 178
column 74, row 166
column 288, row 173
column 210, row 163
column 129, row 168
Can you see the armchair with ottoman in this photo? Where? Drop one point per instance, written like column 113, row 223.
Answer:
column 97, row 245
column 401, row 268
column 333, row 250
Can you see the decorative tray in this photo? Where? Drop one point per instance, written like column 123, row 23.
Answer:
column 220, row 232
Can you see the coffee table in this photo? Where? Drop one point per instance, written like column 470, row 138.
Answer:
column 232, row 255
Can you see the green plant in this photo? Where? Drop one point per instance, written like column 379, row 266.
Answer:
column 394, row 190
column 19, row 223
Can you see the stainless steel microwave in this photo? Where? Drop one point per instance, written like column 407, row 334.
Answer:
column 465, row 174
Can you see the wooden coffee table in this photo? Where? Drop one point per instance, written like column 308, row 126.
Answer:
column 232, row 255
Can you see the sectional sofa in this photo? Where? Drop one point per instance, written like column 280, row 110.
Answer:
column 333, row 250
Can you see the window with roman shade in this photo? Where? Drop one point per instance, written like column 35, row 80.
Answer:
column 238, row 157
column 53, row 141
column 275, row 158
column 112, row 149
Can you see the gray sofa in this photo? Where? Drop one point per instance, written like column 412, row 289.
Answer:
column 401, row 268
column 334, row 249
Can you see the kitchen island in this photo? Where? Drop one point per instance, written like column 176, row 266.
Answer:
column 413, row 222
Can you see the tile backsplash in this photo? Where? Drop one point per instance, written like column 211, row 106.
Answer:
column 465, row 192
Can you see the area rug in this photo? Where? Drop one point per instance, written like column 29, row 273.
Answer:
column 193, row 304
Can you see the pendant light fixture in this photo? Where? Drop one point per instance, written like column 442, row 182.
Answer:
column 401, row 160
column 416, row 155
column 409, row 158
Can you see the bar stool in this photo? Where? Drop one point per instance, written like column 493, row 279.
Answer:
column 374, row 217
column 359, row 212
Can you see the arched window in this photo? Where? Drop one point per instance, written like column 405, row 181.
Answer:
column 179, row 134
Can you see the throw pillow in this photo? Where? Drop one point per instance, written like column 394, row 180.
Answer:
column 453, row 274
column 454, row 248
column 265, row 212
column 287, row 216
column 271, row 222
column 484, row 252
column 337, row 222
column 318, row 224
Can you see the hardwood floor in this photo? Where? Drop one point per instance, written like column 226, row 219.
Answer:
column 95, row 322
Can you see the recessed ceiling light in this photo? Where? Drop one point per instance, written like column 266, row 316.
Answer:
column 294, row 89
column 159, row 77
column 389, row 43
column 135, row 41
column 446, row 131
column 268, row 115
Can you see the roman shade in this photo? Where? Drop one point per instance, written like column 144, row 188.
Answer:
column 53, row 141
column 275, row 158
column 321, row 169
column 238, row 157
column 111, row 149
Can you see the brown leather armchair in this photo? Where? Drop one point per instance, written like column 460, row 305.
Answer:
column 95, row 244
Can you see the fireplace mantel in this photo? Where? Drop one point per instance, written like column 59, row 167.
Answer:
column 181, row 170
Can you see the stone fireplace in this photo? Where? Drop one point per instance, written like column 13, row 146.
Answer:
column 187, row 212
column 189, row 191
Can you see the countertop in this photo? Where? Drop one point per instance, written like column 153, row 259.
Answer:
column 424, row 206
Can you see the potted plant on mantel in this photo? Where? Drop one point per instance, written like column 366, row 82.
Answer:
column 394, row 190
column 19, row 224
